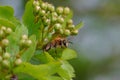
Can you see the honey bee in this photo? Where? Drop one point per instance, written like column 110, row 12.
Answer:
column 57, row 42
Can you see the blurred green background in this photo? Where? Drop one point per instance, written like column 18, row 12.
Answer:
column 98, row 42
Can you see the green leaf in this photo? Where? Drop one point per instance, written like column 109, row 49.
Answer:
column 44, row 57
column 7, row 23
column 13, row 49
column 66, row 71
column 79, row 26
column 68, row 54
column 28, row 17
column 22, row 76
column 19, row 31
column 54, row 78
column 7, row 17
column 28, row 20
column 6, row 12
column 14, row 39
column 40, row 72
column 26, row 56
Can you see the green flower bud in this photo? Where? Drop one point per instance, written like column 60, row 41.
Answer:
column 52, row 32
column 59, row 10
column 1, row 33
column 6, row 55
column 66, row 10
column 37, row 9
column 3, row 28
column 48, row 21
column 8, row 30
column 44, row 6
column 71, row 26
column 24, row 36
column 57, row 26
column 5, row 42
column 61, row 31
column 18, row 61
column 54, row 19
column 51, row 7
column 60, row 19
column 6, row 63
column 44, row 18
column 74, row 32
column 42, row 12
column 67, row 32
column 48, row 14
column 1, row 58
column 46, row 40
column 70, row 21
column 54, row 14
column 22, row 42
column 28, row 42
column 35, row 3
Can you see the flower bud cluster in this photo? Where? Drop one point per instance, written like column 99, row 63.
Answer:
column 4, row 31
column 6, row 61
column 25, row 41
column 55, row 19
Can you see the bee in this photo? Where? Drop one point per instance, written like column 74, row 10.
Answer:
column 57, row 42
